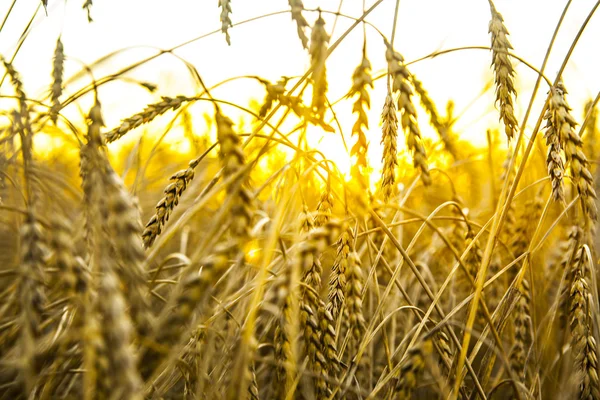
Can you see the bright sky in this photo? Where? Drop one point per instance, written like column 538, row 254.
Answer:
column 269, row 47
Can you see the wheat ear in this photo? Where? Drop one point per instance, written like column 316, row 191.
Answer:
column 318, row 54
column 400, row 78
column 225, row 18
column 57, row 76
column 503, row 72
column 301, row 24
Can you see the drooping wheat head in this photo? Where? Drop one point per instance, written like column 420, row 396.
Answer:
column 148, row 114
column 225, row 18
column 173, row 191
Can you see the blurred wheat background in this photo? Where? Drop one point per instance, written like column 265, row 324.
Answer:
column 338, row 199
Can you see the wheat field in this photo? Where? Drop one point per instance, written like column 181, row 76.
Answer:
column 247, row 262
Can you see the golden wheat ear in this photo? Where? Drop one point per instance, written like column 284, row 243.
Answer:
column 319, row 40
column 389, row 139
column 503, row 72
column 148, row 114
column 361, row 83
column 179, row 183
column 401, row 85
column 57, row 83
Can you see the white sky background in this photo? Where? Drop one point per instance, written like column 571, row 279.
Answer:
column 269, row 47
